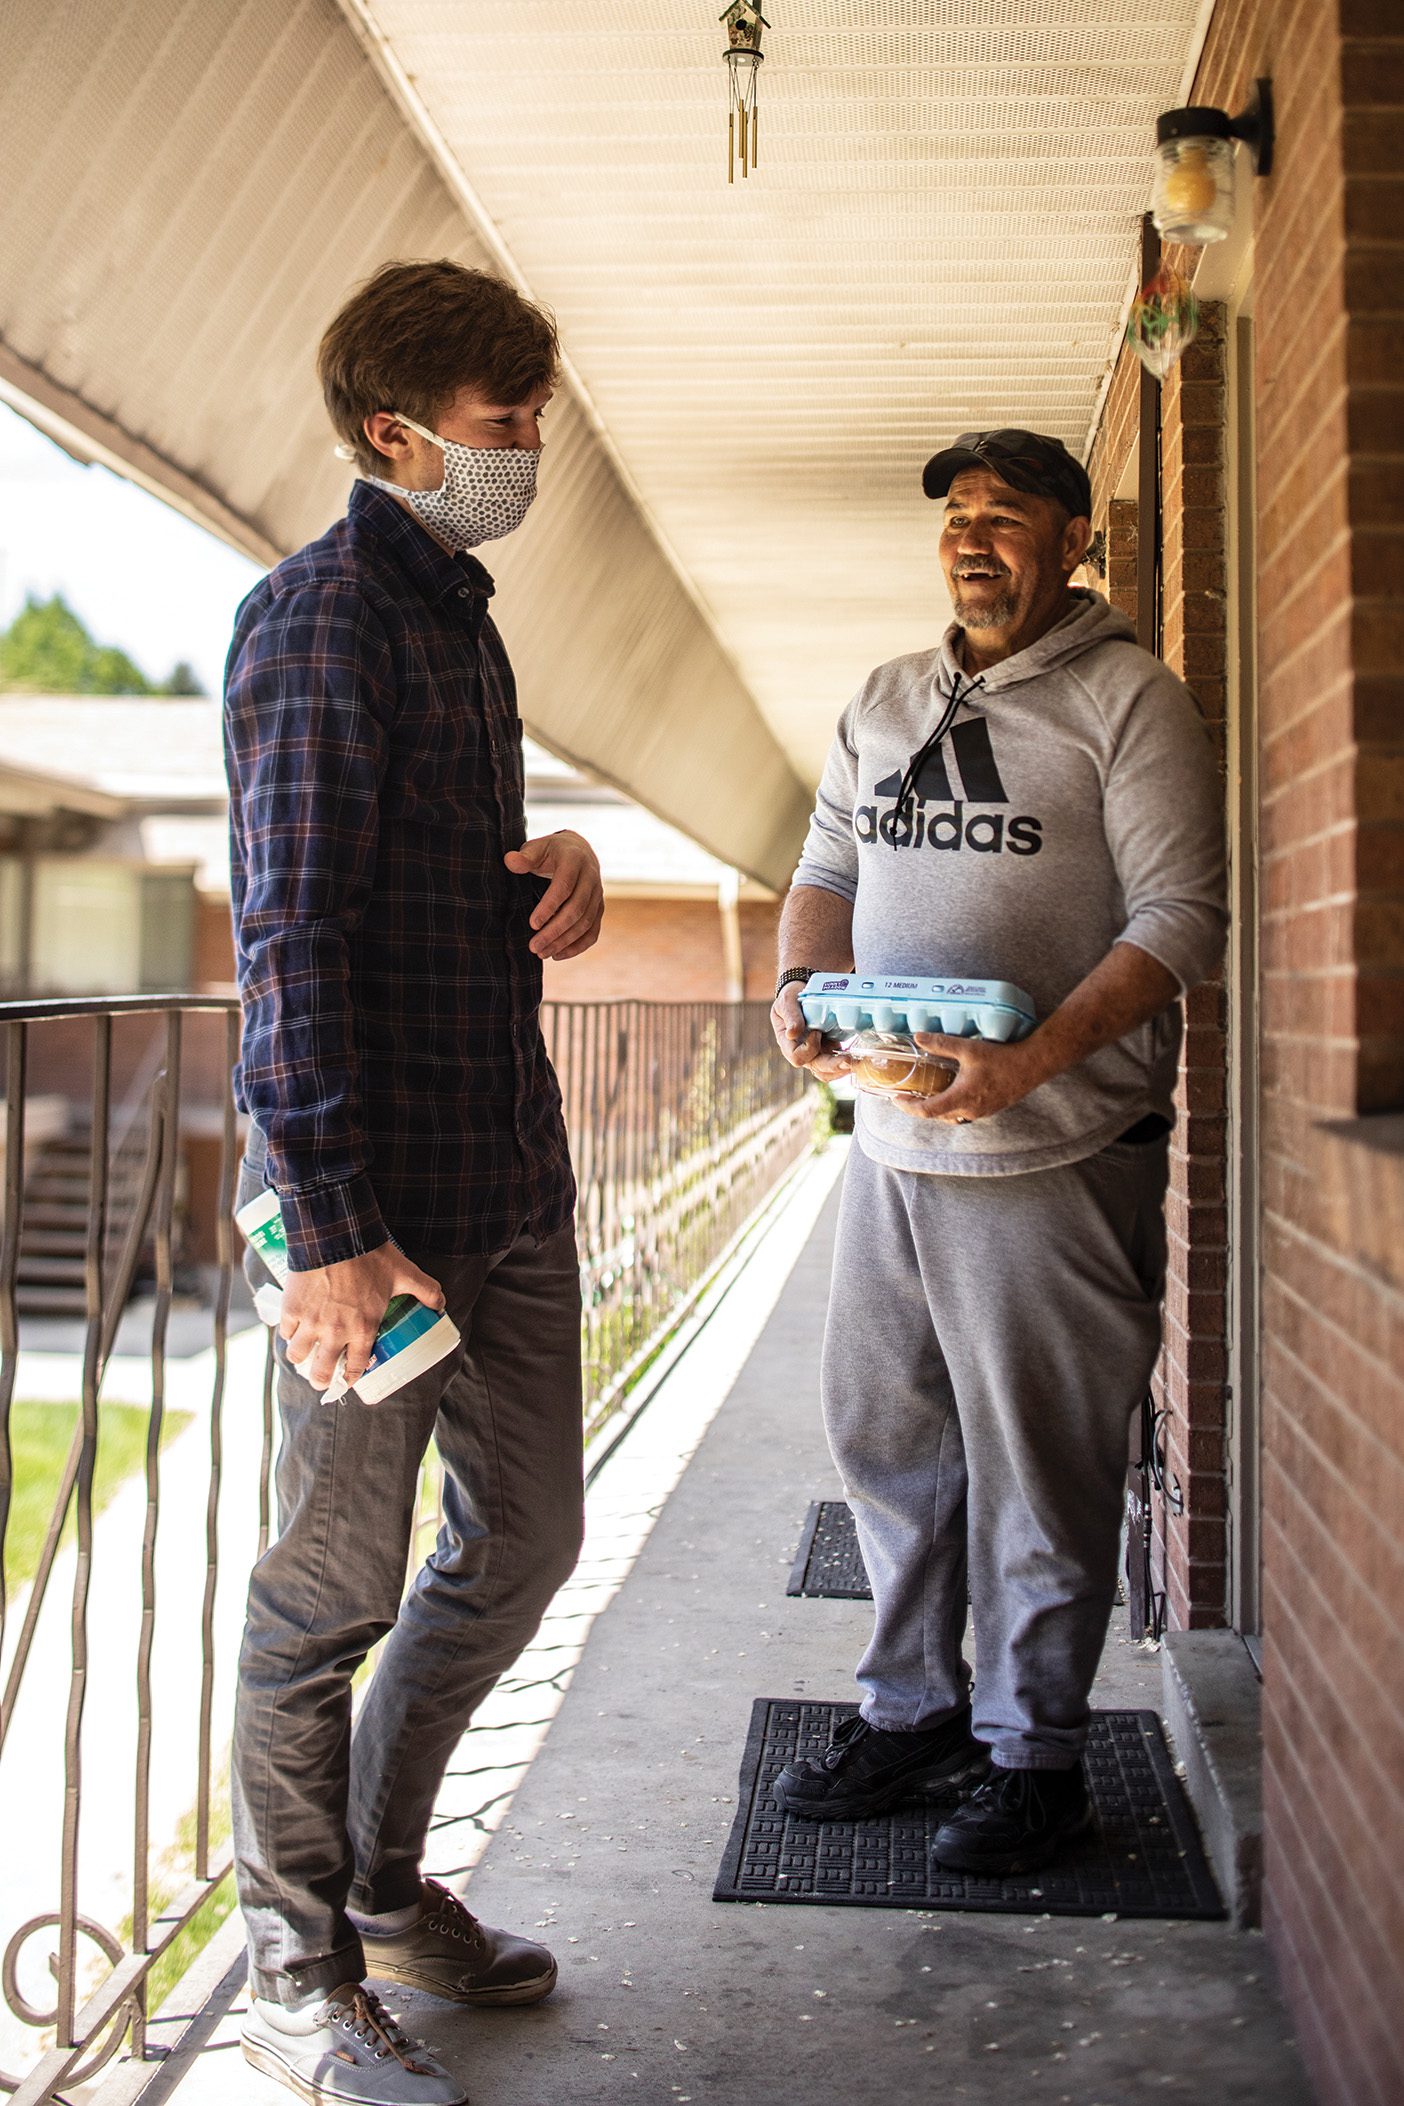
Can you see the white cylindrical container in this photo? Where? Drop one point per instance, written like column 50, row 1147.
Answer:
column 411, row 1339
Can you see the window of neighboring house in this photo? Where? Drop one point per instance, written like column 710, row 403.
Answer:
column 167, row 930
column 111, row 928
column 11, row 923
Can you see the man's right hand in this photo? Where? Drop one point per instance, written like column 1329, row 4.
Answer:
column 336, row 1309
column 802, row 1047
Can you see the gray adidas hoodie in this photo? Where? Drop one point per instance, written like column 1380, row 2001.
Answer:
column 1074, row 802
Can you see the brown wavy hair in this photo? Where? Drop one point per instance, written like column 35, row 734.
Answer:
column 415, row 333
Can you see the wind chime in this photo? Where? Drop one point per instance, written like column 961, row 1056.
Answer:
column 745, row 25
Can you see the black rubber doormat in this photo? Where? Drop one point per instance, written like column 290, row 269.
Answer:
column 1142, row 1856
column 828, row 1563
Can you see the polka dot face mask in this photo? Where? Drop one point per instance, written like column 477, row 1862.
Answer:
column 486, row 491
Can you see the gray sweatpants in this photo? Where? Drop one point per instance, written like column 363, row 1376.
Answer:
column 324, row 1815
column 988, row 1340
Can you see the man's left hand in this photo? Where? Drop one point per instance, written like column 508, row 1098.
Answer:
column 991, row 1077
column 567, row 917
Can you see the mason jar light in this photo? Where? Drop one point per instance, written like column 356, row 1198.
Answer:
column 1193, row 196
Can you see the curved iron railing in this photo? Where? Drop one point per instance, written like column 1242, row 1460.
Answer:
column 89, row 2032
column 682, row 1119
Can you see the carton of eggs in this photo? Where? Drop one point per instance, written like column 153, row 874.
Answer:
column 839, row 1003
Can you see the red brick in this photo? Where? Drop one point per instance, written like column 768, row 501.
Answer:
column 1377, row 492
column 667, row 949
column 1368, row 18
column 1329, row 401
column 1375, row 421
column 1374, row 206
column 1370, row 142
column 1372, row 72
column 1372, row 352
column 1379, row 932
column 1302, row 539
column 1379, row 705
column 1379, row 786
column 1377, row 565
column 1307, row 1757
column 1377, row 634
column 1375, row 277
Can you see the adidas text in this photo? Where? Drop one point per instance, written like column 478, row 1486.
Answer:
column 985, row 833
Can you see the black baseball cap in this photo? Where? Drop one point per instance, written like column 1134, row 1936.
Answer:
column 1026, row 460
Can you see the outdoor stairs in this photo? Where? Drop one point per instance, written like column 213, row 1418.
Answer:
column 54, row 1227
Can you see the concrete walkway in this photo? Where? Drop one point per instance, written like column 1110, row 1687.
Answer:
column 612, row 1841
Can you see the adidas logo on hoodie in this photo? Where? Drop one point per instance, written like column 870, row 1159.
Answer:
column 967, row 748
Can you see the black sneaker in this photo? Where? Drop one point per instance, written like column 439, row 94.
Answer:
column 865, row 1769
column 1016, row 1822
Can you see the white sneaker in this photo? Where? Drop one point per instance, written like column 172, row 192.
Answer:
column 348, row 2049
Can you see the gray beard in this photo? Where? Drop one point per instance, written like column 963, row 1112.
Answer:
column 995, row 614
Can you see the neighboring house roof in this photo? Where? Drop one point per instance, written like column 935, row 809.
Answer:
column 29, row 793
column 161, row 762
column 638, row 854
column 198, row 841
column 146, row 752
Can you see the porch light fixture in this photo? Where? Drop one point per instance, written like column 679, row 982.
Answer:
column 745, row 25
column 1193, row 197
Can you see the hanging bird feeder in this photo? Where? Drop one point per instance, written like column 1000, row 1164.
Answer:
column 745, row 25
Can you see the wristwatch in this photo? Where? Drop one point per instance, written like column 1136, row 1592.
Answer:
column 792, row 972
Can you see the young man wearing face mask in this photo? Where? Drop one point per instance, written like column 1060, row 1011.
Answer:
column 391, row 920
column 1035, row 801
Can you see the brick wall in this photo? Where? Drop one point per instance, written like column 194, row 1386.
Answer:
column 213, row 966
column 1332, row 622
column 1192, row 1380
column 1122, row 553
column 1372, row 209
column 1329, row 400
column 1190, row 1546
column 668, row 950
column 650, row 949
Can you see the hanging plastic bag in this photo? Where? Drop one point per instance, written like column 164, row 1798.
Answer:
column 1163, row 322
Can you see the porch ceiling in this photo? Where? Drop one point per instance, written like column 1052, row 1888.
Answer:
column 938, row 238
column 731, row 531
column 190, row 189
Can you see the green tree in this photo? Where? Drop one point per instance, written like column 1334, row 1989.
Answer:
column 182, row 680
column 110, row 672
column 47, row 651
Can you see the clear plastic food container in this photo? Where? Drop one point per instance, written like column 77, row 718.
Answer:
column 889, row 1064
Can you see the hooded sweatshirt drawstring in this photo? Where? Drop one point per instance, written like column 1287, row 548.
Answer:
column 919, row 759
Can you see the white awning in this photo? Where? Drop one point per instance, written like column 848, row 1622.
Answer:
column 730, row 531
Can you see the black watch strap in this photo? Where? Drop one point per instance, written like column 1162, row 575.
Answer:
column 792, row 973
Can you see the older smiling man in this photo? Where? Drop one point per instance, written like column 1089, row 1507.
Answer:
column 1035, row 801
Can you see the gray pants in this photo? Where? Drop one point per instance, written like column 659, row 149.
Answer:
column 324, row 1815
column 988, row 1340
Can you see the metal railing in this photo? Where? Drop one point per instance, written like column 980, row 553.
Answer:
column 93, row 2010
column 682, row 1119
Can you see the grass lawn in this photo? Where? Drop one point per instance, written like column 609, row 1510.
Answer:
column 40, row 1436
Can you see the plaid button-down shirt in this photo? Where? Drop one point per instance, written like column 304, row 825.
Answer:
column 392, row 1053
